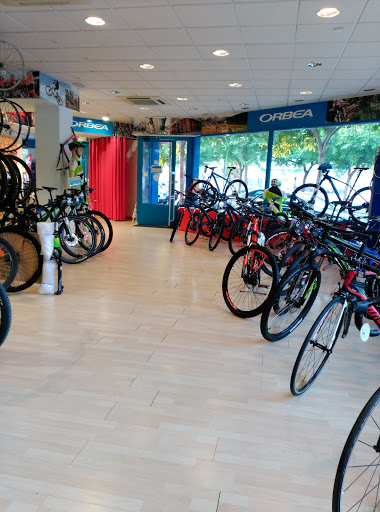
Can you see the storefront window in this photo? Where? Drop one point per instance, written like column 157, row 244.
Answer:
column 248, row 153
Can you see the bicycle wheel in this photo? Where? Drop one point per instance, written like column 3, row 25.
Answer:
column 216, row 232
column 238, row 235
column 11, row 127
column 59, row 100
column 279, row 241
column 5, row 315
column 177, row 222
column 357, row 482
column 28, row 255
column 49, row 90
column 11, row 66
column 99, row 232
column 318, row 346
column 8, row 263
column 291, row 303
column 237, row 188
column 229, row 221
column 204, row 191
column 78, row 239
column 207, row 222
column 107, row 226
column 249, row 281
column 316, row 200
column 27, row 184
column 193, row 228
column 359, row 206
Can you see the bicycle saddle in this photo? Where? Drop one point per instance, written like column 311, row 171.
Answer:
column 325, row 167
column 49, row 188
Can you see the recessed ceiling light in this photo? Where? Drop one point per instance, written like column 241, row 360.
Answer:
column 314, row 64
column 144, row 108
column 221, row 53
column 115, row 92
column 235, row 85
column 93, row 20
column 368, row 90
column 328, row 12
column 306, row 92
column 182, row 99
column 146, row 66
column 89, row 120
column 105, row 118
column 244, row 104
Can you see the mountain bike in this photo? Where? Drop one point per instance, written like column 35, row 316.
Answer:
column 357, row 482
column 52, row 90
column 358, row 296
column 315, row 197
column 231, row 188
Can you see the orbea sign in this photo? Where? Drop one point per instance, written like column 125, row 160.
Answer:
column 95, row 126
column 281, row 116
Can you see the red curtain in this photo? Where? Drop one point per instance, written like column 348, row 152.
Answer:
column 112, row 173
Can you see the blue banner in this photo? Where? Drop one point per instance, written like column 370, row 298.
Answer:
column 96, row 126
column 288, row 118
column 56, row 91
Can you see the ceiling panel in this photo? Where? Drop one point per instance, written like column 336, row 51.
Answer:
column 215, row 36
column 193, row 75
column 365, row 32
column 43, row 21
column 357, row 63
column 182, row 65
column 72, row 39
column 232, row 76
column 272, row 84
column 27, row 40
column 171, row 36
column 266, row 13
column 269, row 51
column 311, row 74
column 268, row 34
column 175, row 52
column 52, row 55
column 273, row 75
column 115, row 37
column 362, row 49
column 269, row 64
column 149, row 16
column 371, row 13
column 116, row 53
column 77, row 18
column 8, row 24
column 312, row 51
column 214, row 15
column 326, row 33
column 227, row 64
column 349, row 12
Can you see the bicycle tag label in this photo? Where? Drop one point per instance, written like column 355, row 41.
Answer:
column 75, row 182
column 365, row 332
column 361, row 277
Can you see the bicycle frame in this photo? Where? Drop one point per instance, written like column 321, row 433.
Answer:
column 331, row 180
column 213, row 176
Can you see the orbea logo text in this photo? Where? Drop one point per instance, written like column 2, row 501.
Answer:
column 281, row 116
column 91, row 125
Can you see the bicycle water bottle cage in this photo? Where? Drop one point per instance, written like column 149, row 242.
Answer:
column 325, row 167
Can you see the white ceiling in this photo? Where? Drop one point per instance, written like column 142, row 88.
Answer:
column 270, row 43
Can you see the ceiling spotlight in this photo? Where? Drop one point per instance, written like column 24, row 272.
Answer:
column 115, row 92
column 235, row 85
column 221, row 53
column 306, row 92
column 182, row 99
column 314, row 64
column 144, row 108
column 105, row 118
column 146, row 66
column 328, row 12
column 93, row 20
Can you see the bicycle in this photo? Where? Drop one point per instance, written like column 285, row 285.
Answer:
column 52, row 90
column 231, row 188
column 353, row 298
column 315, row 197
column 357, row 483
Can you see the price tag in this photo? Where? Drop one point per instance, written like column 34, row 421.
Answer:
column 75, row 182
column 365, row 332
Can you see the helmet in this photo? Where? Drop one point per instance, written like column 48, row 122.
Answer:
column 275, row 183
column 75, row 144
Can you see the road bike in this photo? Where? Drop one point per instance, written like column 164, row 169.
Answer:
column 315, row 197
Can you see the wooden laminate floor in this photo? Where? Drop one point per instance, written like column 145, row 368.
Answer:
column 137, row 390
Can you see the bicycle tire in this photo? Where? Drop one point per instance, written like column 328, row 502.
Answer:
column 279, row 241
column 59, row 100
column 23, row 139
column 27, row 187
column 29, row 257
column 246, row 290
column 99, row 232
column 238, row 235
column 193, row 228
column 177, row 222
column 296, row 198
column 107, row 226
column 8, row 263
column 49, row 90
column 229, row 220
column 216, row 232
column 206, row 224
column 294, row 297
column 363, row 443
column 8, row 139
column 237, row 186
column 204, row 191
column 354, row 212
column 322, row 337
column 5, row 314
column 79, row 244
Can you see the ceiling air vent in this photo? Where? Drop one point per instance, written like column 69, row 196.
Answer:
column 142, row 101
column 43, row 3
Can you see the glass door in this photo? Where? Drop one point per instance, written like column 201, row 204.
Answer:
column 162, row 169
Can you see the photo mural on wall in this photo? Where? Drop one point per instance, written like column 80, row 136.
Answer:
column 166, row 126
column 27, row 88
column 361, row 108
column 225, row 124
